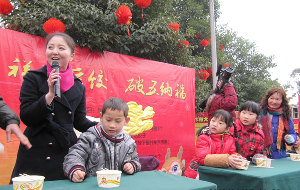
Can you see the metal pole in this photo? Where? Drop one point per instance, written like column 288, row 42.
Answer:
column 213, row 43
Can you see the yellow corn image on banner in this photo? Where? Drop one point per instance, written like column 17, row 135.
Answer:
column 140, row 120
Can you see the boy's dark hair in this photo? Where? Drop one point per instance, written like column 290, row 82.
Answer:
column 224, row 116
column 251, row 106
column 115, row 104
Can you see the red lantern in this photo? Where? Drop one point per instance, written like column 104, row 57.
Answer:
column 221, row 47
column 53, row 25
column 13, row 27
column 210, row 70
column 203, row 74
column 175, row 26
column 204, row 43
column 5, row 7
column 124, row 16
column 185, row 43
column 142, row 4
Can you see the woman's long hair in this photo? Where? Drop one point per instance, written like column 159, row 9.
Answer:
column 284, row 104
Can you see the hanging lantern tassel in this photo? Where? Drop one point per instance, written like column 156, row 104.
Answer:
column 142, row 4
column 124, row 16
column 128, row 31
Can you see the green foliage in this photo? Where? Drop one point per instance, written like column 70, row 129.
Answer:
column 294, row 84
column 93, row 24
column 251, row 77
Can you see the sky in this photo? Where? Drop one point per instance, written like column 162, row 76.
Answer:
column 273, row 25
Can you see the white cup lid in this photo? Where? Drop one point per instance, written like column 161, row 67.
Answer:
column 27, row 178
column 109, row 172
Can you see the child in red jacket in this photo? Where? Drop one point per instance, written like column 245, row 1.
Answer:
column 214, row 148
column 250, row 138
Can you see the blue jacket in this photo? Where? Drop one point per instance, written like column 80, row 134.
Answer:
column 274, row 152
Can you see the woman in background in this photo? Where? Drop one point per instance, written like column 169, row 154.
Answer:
column 277, row 124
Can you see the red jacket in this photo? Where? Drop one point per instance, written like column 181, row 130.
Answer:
column 227, row 100
column 210, row 144
column 251, row 139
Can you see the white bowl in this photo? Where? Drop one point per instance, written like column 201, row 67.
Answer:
column 295, row 157
column 263, row 162
column 28, row 182
column 108, row 178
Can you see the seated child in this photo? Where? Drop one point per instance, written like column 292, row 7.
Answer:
column 215, row 148
column 106, row 145
column 250, row 138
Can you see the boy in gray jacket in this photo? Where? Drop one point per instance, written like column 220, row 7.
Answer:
column 106, row 145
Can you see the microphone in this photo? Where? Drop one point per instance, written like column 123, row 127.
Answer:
column 56, row 66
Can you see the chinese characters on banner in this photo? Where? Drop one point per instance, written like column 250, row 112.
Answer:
column 168, row 89
column 201, row 119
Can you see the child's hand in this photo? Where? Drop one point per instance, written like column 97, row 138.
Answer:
column 128, row 168
column 235, row 160
column 78, row 176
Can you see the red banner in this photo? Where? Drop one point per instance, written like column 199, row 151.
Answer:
column 200, row 121
column 168, row 89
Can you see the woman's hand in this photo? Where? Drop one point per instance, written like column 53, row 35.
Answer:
column 51, row 80
column 219, row 84
column 289, row 139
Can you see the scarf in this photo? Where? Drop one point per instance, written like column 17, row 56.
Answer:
column 266, row 122
column 66, row 77
column 248, row 129
column 116, row 138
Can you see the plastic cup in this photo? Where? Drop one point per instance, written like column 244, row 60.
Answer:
column 108, row 178
column 295, row 157
column 263, row 162
column 28, row 182
column 244, row 165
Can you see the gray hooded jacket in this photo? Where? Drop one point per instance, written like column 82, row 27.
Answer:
column 7, row 115
column 96, row 150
